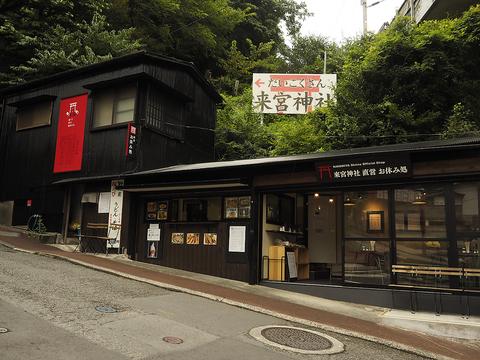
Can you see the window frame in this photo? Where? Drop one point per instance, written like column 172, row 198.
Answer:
column 33, row 104
column 116, row 98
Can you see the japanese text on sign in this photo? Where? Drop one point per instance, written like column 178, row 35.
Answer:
column 291, row 93
column 364, row 169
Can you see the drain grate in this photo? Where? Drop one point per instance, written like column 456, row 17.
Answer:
column 298, row 340
column 106, row 309
column 172, row 340
column 3, row 330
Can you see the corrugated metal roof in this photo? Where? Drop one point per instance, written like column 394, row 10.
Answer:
column 403, row 147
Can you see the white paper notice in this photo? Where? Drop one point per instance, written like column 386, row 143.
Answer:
column 236, row 239
column 292, row 264
column 154, row 226
column 104, row 203
column 153, row 234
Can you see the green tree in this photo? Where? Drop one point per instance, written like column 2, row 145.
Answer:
column 403, row 83
column 62, row 49
column 238, row 68
column 461, row 123
column 23, row 22
column 239, row 132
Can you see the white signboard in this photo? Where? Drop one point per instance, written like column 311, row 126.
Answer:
column 292, row 264
column 153, row 234
column 115, row 213
column 291, row 93
column 104, row 203
column 236, row 239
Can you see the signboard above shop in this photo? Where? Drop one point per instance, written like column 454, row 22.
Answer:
column 291, row 93
column 364, row 169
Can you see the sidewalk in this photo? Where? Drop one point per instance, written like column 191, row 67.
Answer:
column 362, row 322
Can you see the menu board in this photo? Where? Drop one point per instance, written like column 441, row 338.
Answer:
column 157, row 210
column 237, row 207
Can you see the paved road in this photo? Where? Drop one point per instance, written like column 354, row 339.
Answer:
column 49, row 307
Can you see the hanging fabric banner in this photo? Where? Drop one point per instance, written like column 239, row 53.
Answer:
column 70, row 134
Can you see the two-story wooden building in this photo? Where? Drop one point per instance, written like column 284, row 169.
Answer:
column 64, row 138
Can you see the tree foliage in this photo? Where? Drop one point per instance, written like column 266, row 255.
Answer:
column 61, row 49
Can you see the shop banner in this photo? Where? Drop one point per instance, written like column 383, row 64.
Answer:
column 291, row 93
column 131, row 144
column 364, row 169
column 70, row 134
column 115, row 213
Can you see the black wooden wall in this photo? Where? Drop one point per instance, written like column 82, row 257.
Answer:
column 27, row 156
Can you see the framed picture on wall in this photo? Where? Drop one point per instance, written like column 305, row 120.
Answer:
column 231, row 207
column 375, row 221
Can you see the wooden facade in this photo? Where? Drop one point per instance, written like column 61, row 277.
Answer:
column 174, row 116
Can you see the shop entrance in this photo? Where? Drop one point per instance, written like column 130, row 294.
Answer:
column 300, row 238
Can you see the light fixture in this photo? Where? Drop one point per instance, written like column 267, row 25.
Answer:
column 348, row 202
column 316, row 195
column 330, row 200
column 420, row 198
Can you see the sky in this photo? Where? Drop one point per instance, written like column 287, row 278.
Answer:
column 341, row 19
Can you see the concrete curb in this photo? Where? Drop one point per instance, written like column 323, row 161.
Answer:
column 314, row 324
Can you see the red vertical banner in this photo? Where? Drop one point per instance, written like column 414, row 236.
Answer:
column 70, row 134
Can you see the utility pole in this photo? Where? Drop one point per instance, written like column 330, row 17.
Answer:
column 324, row 61
column 364, row 4
column 412, row 10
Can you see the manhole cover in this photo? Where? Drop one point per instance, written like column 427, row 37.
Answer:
column 3, row 330
column 172, row 340
column 106, row 309
column 299, row 340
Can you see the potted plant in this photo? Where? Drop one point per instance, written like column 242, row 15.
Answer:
column 75, row 227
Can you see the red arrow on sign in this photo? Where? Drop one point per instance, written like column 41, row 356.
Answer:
column 259, row 82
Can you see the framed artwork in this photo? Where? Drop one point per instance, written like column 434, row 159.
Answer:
column 151, row 206
column 375, row 221
column 193, row 238
column 177, row 238
column 244, row 206
column 210, row 239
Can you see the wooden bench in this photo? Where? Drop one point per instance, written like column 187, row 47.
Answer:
column 108, row 238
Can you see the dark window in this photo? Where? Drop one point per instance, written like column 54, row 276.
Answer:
column 467, row 212
column 366, row 214
column 420, row 213
column 114, row 106
column 34, row 115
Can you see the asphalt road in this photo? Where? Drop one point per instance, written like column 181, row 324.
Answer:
column 49, row 307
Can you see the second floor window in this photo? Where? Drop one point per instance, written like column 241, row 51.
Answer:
column 34, row 115
column 114, row 106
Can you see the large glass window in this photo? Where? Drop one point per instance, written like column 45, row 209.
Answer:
column 467, row 216
column 367, row 243
column 420, row 213
column 367, row 262
column 34, row 115
column 114, row 106
column 366, row 214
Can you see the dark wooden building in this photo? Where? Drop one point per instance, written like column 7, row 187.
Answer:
column 394, row 226
column 65, row 137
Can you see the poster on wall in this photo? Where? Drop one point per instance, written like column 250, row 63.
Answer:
column 210, row 239
column 236, row 239
column 153, row 233
column 115, row 213
column 131, row 143
column 104, row 203
column 152, row 249
column 231, row 207
column 193, row 238
column 162, row 210
column 70, row 134
column 177, row 238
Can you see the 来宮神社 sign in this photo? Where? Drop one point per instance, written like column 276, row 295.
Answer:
column 291, row 93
